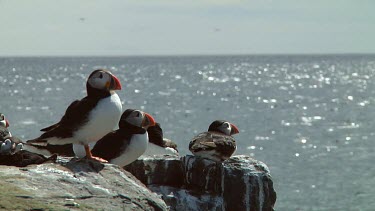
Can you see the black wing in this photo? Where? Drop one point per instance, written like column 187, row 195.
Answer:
column 111, row 145
column 75, row 115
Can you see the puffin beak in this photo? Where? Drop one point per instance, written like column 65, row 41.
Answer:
column 234, row 129
column 115, row 83
column 6, row 123
column 149, row 120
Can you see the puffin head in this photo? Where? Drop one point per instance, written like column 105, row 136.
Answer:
column 3, row 121
column 136, row 118
column 102, row 81
column 224, row 127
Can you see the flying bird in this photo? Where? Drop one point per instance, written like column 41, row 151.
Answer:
column 89, row 119
column 125, row 145
column 217, row 143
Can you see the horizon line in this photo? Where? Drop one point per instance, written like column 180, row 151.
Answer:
column 188, row 55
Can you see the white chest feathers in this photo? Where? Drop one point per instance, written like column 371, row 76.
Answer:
column 102, row 119
column 137, row 146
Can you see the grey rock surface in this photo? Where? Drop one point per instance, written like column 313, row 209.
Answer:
column 240, row 183
column 74, row 185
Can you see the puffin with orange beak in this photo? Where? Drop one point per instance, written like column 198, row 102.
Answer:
column 130, row 141
column 217, row 143
column 87, row 120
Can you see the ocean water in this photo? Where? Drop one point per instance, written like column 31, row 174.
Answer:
column 311, row 119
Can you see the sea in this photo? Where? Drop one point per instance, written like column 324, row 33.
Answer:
column 310, row 118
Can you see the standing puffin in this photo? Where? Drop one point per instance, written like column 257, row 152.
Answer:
column 129, row 142
column 217, row 143
column 159, row 145
column 89, row 119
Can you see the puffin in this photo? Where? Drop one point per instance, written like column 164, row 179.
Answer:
column 125, row 145
column 217, row 143
column 8, row 143
column 4, row 133
column 89, row 119
column 3, row 121
column 158, row 145
column 12, row 151
column 10, row 146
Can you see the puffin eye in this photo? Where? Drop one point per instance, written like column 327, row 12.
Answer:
column 138, row 114
column 101, row 75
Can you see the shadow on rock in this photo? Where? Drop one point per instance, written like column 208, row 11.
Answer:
column 83, row 165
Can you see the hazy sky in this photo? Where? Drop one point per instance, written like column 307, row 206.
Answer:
column 175, row 27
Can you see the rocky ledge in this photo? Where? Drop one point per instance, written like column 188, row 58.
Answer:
column 74, row 185
column 187, row 183
column 192, row 183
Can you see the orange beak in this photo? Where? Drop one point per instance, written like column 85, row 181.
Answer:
column 6, row 123
column 115, row 83
column 150, row 121
column 234, row 129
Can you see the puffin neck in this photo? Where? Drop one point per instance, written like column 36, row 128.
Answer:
column 215, row 130
column 130, row 129
column 97, row 93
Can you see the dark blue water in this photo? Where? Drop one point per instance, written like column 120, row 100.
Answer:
column 310, row 118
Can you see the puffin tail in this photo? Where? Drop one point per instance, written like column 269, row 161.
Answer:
column 49, row 128
column 37, row 141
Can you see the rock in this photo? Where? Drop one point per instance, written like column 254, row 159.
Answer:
column 74, row 185
column 240, row 183
column 159, row 170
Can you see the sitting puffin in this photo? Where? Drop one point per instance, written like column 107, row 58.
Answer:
column 8, row 143
column 11, row 149
column 89, row 119
column 217, row 143
column 129, row 142
column 158, row 145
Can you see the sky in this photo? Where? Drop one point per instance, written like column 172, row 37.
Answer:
column 181, row 27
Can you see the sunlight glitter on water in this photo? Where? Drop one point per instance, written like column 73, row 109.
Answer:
column 299, row 114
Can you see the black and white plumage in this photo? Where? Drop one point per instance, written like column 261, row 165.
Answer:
column 4, row 133
column 89, row 119
column 129, row 142
column 217, row 143
column 8, row 143
column 11, row 149
column 10, row 146
column 3, row 121
column 158, row 145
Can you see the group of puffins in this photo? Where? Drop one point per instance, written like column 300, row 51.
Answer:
column 87, row 130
